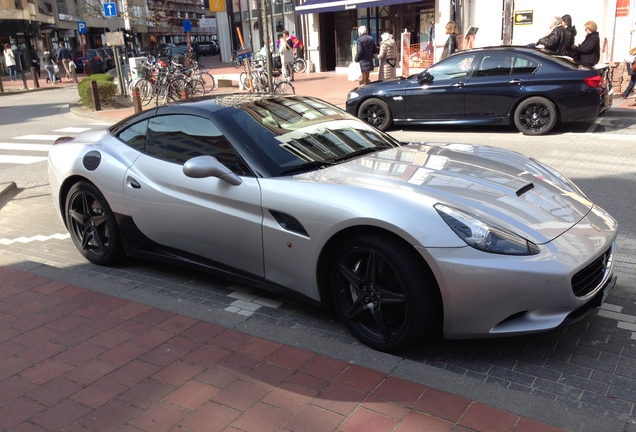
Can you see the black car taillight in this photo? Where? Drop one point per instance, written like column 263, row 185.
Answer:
column 596, row 81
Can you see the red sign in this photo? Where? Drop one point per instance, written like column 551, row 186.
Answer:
column 622, row 8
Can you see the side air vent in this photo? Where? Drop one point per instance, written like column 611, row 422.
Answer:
column 289, row 223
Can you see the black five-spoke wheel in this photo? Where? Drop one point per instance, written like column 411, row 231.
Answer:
column 375, row 112
column 535, row 116
column 92, row 224
column 385, row 295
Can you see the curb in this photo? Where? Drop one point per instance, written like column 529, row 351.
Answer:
column 6, row 188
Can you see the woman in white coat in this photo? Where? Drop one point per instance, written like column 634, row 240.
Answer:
column 388, row 57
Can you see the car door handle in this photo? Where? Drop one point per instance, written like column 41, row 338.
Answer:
column 458, row 85
column 134, row 184
column 515, row 81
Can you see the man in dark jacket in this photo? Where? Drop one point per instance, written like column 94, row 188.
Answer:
column 556, row 41
column 64, row 56
column 366, row 50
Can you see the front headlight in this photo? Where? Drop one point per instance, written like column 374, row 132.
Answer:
column 352, row 95
column 484, row 236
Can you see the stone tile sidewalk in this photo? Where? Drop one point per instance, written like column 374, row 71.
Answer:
column 74, row 359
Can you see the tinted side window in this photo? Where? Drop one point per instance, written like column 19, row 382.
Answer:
column 135, row 135
column 524, row 65
column 452, row 68
column 177, row 138
column 495, row 64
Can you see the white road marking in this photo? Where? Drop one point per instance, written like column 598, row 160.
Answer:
column 8, row 242
column 38, row 137
column 21, row 160
column 25, row 147
column 72, row 130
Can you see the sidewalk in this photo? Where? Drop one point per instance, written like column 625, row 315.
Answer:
column 75, row 358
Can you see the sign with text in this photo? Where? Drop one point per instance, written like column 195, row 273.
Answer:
column 524, row 17
column 81, row 27
column 217, row 6
column 187, row 26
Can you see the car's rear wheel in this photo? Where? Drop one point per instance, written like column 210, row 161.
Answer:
column 92, row 224
column 376, row 112
column 385, row 295
column 535, row 116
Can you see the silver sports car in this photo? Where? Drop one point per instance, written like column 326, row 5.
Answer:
column 292, row 194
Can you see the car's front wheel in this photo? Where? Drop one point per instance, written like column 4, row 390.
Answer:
column 535, row 116
column 376, row 112
column 92, row 225
column 385, row 295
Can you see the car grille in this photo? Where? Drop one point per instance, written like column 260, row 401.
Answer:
column 588, row 279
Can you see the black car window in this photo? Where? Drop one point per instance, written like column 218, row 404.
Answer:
column 524, row 65
column 177, row 138
column 135, row 135
column 495, row 64
column 455, row 67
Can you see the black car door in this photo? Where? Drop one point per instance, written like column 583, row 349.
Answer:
column 438, row 92
column 496, row 84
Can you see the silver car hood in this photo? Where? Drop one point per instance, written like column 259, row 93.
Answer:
column 501, row 186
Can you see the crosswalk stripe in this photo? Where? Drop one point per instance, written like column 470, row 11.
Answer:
column 72, row 130
column 25, row 147
column 20, row 160
column 36, row 137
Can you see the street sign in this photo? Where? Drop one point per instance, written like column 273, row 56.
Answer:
column 244, row 54
column 81, row 27
column 217, row 6
column 112, row 24
column 110, row 9
column 187, row 26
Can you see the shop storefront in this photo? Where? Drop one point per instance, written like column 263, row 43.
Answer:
column 249, row 17
column 338, row 23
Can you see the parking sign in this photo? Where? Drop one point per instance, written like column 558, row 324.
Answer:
column 81, row 27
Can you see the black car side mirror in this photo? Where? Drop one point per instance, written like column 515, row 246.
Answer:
column 424, row 77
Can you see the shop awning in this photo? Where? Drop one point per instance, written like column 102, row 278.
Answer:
column 317, row 6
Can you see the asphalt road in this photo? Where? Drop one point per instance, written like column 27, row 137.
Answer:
column 584, row 374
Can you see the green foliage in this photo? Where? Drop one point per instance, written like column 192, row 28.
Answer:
column 106, row 89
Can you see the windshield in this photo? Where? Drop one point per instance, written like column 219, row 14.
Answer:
column 294, row 134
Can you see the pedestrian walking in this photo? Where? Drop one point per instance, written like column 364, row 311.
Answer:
column 450, row 47
column 588, row 52
column 387, row 57
column 631, row 67
column 35, row 61
column 286, row 50
column 366, row 50
column 9, row 61
column 64, row 56
column 49, row 66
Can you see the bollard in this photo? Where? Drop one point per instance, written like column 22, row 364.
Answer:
column 95, row 94
column 1, row 88
column 136, row 99
column 34, row 74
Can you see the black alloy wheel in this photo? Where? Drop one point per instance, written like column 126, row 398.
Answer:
column 386, row 296
column 535, row 116
column 376, row 112
column 92, row 225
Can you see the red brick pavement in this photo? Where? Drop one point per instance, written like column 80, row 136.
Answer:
column 74, row 359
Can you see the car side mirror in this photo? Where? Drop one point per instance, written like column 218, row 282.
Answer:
column 424, row 77
column 209, row 166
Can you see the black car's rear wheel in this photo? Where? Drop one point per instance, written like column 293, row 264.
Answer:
column 535, row 116
column 386, row 296
column 92, row 225
column 375, row 112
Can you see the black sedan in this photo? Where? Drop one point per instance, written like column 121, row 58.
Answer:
column 485, row 86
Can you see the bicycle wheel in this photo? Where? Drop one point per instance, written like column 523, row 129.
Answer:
column 243, row 79
column 284, row 87
column 208, row 82
column 195, row 87
column 300, row 65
